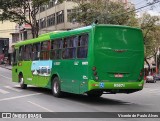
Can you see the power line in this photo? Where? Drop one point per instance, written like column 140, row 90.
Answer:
column 139, row 3
column 147, row 5
column 138, row 8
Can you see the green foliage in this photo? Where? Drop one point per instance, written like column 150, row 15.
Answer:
column 106, row 12
column 151, row 33
column 16, row 11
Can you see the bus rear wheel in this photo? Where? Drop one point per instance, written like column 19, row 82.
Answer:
column 21, row 81
column 56, row 88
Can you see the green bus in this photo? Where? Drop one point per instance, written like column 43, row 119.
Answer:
column 91, row 60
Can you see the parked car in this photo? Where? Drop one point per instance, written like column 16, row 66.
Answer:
column 156, row 77
column 150, row 79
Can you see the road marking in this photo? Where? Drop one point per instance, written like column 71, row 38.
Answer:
column 16, row 97
column 12, row 88
column 150, row 90
column 6, row 77
column 3, row 91
column 41, row 106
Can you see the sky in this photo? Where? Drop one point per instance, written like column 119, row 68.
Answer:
column 153, row 10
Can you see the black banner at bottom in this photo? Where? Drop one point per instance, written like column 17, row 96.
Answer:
column 80, row 115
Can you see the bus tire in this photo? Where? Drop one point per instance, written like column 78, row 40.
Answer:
column 56, row 88
column 21, row 82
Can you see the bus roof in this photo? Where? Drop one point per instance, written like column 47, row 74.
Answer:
column 34, row 40
column 61, row 34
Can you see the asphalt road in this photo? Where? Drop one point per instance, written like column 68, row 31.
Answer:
column 34, row 99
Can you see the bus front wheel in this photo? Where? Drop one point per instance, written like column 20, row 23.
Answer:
column 21, row 81
column 56, row 88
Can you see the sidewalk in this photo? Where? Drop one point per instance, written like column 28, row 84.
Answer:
column 9, row 67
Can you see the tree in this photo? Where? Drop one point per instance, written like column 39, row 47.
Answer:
column 151, row 32
column 16, row 11
column 105, row 12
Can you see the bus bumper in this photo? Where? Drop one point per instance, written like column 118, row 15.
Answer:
column 120, row 86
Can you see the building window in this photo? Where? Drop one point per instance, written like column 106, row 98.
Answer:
column 60, row 16
column 42, row 23
column 51, row 20
column 69, row 17
column 42, row 8
column 50, row 4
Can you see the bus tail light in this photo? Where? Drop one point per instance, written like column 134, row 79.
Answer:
column 94, row 69
column 95, row 73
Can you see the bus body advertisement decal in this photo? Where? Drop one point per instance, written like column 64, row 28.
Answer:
column 41, row 68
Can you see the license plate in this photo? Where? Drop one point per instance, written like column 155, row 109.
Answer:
column 119, row 85
column 118, row 75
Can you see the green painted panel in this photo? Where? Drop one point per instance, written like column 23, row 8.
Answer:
column 92, row 85
column 118, row 50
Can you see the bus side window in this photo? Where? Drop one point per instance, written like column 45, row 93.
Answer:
column 65, row 50
column 82, row 49
column 20, row 57
column 15, row 57
column 60, row 44
column 57, row 45
column 65, row 43
column 38, row 46
column 36, row 51
column 75, row 44
column 23, row 53
column 28, row 52
column 45, row 50
column 20, row 53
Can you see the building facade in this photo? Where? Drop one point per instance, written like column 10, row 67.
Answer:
column 6, row 27
column 52, row 17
